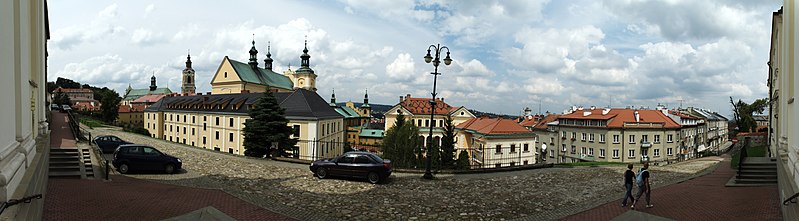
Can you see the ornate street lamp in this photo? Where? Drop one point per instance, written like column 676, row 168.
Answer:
column 447, row 61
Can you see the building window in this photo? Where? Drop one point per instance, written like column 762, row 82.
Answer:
column 217, row 121
column 602, row 153
column 582, row 150
column 657, row 139
column 205, row 118
column 192, row 119
column 669, row 138
column 498, row 165
column 184, row 130
column 230, row 150
column 601, row 138
column 205, row 127
column 499, row 148
column 427, row 123
column 231, row 122
column 656, row 152
column 231, row 137
column 203, row 140
column 513, row 148
column 170, row 117
column 225, row 74
column 615, row 153
column 583, row 137
column 551, row 154
column 526, row 148
column 192, row 131
column 615, row 138
column 217, row 135
column 591, row 151
column 184, row 118
column 591, row 137
column 564, row 147
column 184, row 140
column 669, row 151
column 170, row 128
column 525, row 162
column 632, row 139
column 563, row 134
column 631, row 154
column 170, row 138
column 574, row 149
column 296, row 131
column 644, row 138
column 574, row 135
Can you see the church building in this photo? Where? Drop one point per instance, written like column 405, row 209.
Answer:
column 233, row 76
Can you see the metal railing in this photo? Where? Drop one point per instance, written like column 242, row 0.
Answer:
column 317, row 149
column 494, row 157
column 74, row 126
column 742, row 156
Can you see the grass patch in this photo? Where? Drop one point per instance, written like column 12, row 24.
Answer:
column 92, row 123
column 575, row 164
column 758, row 151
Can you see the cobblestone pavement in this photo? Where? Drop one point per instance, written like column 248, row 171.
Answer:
column 291, row 189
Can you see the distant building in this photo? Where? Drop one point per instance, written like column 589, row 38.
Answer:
column 234, row 77
column 216, row 122
column 357, row 119
column 496, row 142
column 133, row 94
column 188, row 78
column 418, row 110
column 131, row 114
column 81, row 98
column 547, row 139
column 713, row 133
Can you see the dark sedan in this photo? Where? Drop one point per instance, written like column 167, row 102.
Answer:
column 131, row 157
column 354, row 164
column 108, row 144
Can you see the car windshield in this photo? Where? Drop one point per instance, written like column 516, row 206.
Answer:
column 375, row 157
column 151, row 151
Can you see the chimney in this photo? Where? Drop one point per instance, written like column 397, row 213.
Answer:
column 593, row 107
column 407, row 96
column 400, row 100
column 637, row 116
column 605, row 111
column 586, row 113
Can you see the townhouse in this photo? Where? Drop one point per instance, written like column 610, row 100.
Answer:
column 496, row 142
column 418, row 110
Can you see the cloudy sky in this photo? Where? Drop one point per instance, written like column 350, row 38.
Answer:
column 507, row 55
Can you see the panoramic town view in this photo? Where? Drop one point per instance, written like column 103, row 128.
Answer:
column 399, row 110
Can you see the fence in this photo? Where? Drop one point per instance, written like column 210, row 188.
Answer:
column 507, row 156
column 317, row 149
column 74, row 126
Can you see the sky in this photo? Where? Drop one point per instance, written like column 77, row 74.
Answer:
column 507, row 55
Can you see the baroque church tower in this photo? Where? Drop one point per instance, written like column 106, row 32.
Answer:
column 188, row 77
column 304, row 77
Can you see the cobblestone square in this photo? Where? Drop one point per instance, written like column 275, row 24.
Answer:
column 291, row 189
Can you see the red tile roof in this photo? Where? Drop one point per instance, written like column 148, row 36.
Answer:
column 73, row 90
column 421, row 106
column 529, row 121
column 681, row 115
column 617, row 117
column 542, row 124
column 493, row 126
column 131, row 108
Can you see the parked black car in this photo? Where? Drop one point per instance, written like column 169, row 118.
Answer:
column 354, row 164
column 129, row 157
column 108, row 144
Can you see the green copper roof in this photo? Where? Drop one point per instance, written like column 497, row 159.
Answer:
column 347, row 112
column 262, row 77
column 137, row 93
column 371, row 133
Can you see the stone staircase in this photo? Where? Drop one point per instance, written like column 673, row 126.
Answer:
column 756, row 171
column 70, row 163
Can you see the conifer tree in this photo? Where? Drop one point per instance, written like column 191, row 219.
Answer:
column 401, row 143
column 463, row 161
column 267, row 125
column 448, row 144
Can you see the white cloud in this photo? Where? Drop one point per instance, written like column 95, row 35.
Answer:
column 402, row 69
column 149, row 9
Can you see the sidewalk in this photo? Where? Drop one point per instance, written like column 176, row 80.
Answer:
column 126, row 198
column 702, row 198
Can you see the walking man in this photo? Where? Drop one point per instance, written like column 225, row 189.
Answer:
column 629, row 175
column 644, row 186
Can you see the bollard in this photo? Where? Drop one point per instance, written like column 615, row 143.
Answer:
column 106, row 170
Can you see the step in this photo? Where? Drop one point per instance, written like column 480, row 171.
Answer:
column 64, row 163
column 774, row 164
column 63, row 150
column 66, row 174
column 758, row 168
column 757, row 176
column 755, row 181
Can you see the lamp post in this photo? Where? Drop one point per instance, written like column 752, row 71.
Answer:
column 436, row 61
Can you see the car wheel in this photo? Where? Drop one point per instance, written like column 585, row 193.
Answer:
column 169, row 168
column 123, row 168
column 321, row 173
column 373, row 177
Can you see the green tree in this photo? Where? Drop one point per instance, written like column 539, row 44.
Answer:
column 401, row 144
column 267, row 124
column 109, row 100
column 463, row 161
column 744, row 113
column 61, row 98
column 448, row 144
column 400, row 120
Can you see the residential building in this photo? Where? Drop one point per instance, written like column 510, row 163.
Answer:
column 23, row 127
column 418, row 110
column 355, row 118
column 688, row 137
column 216, row 122
column 616, row 135
column 233, row 76
column 131, row 114
column 80, row 98
column 713, row 134
column 148, row 100
column 783, row 113
column 133, row 94
column 495, row 142
column 547, row 138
